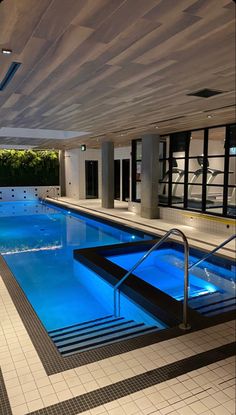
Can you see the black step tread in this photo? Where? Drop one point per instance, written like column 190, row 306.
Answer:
column 73, row 331
column 219, row 309
column 80, row 324
column 220, row 302
column 208, row 299
column 108, row 339
column 107, row 331
column 105, row 326
column 229, row 307
column 204, row 296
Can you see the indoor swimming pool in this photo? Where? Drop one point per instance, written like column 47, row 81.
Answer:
column 74, row 302
column 37, row 242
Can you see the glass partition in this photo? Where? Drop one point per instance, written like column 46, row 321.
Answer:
column 216, row 141
column 196, row 170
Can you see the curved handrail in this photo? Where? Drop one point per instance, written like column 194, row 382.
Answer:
column 213, row 251
column 173, row 231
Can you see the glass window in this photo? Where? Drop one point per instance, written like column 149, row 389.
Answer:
column 214, row 199
column 138, row 190
column 232, row 171
column 195, row 191
column 215, row 170
column 179, row 143
column 139, row 150
column 162, row 169
column 178, row 168
column 138, row 170
column 163, row 194
column 177, row 197
column 231, row 206
column 206, row 176
column 164, row 147
column 216, row 141
column 194, row 201
column 195, row 172
column 196, row 143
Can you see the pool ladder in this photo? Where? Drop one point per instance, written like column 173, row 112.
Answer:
column 184, row 325
column 213, row 251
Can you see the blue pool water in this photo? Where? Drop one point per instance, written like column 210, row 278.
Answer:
column 164, row 269
column 37, row 242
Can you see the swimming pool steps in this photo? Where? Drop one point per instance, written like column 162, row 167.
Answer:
column 213, row 303
column 99, row 332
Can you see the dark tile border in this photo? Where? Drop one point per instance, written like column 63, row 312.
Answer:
column 51, row 359
column 5, row 408
column 137, row 383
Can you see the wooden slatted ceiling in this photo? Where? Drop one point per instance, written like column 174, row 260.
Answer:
column 110, row 65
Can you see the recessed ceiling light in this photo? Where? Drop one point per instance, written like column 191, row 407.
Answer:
column 156, row 126
column 209, row 116
column 6, row 51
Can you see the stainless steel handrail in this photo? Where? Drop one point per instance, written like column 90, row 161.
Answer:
column 185, row 325
column 213, row 251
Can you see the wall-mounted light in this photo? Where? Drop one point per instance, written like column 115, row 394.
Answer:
column 83, row 147
column 6, row 51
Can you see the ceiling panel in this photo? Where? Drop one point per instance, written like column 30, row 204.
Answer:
column 108, row 66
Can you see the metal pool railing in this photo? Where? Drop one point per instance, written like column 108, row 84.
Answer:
column 184, row 325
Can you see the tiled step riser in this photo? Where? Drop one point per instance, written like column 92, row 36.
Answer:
column 217, row 306
column 87, row 329
column 108, row 330
column 96, row 321
column 99, row 332
column 103, row 342
column 215, row 312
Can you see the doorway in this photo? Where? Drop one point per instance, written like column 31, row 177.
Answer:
column 91, row 179
column 125, row 179
column 117, row 179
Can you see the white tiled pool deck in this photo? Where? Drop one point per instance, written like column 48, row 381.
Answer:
column 208, row 390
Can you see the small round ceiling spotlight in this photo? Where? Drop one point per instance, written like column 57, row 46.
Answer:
column 209, row 116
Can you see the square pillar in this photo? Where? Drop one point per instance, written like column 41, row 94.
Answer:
column 108, row 175
column 62, row 178
column 150, row 176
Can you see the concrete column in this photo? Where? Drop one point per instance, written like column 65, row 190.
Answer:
column 108, row 175
column 150, row 176
column 62, row 176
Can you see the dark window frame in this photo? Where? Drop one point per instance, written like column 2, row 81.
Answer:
column 168, row 160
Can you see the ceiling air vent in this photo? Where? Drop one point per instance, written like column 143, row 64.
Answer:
column 9, row 75
column 205, row 93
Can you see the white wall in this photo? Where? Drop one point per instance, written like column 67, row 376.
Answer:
column 12, row 194
column 75, row 171
column 72, row 173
